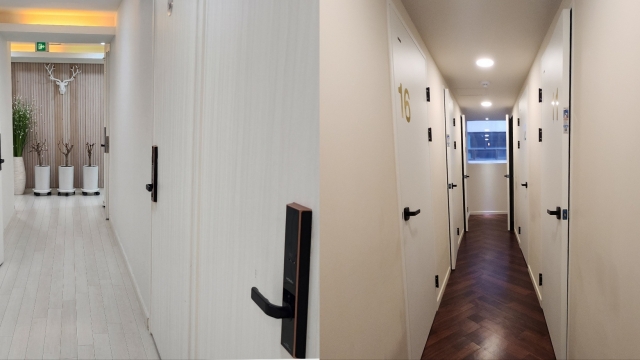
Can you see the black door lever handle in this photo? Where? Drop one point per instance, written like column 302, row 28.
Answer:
column 408, row 213
column 557, row 213
column 525, row 185
column 466, row 176
column 149, row 187
column 452, row 185
column 274, row 311
column 508, row 176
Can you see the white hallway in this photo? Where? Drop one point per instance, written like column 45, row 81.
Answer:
column 65, row 291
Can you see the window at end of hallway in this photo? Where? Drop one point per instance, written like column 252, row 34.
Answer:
column 487, row 141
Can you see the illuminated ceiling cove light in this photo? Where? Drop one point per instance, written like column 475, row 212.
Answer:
column 101, row 43
column 486, row 103
column 484, row 63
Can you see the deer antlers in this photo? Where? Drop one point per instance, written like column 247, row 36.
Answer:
column 62, row 85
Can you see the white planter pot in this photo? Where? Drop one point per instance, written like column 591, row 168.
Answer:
column 65, row 179
column 19, row 176
column 43, row 180
column 89, row 179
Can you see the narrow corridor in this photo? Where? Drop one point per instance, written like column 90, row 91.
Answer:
column 489, row 309
column 65, row 291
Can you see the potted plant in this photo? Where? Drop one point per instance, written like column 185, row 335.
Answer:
column 43, row 172
column 24, row 114
column 65, row 172
column 90, row 174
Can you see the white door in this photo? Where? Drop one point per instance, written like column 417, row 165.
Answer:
column 521, row 165
column 105, row 133
column 465, row 171
column 259, row 152
column 175, row 81
column 412, row 157
column 454, row 175
column 555, row 182
column 508, row 175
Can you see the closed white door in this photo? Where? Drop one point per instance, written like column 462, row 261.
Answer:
column 454, row 175
column 412, row 156
column 172, row 247
column 465, row 171
column 508, row 175
column 555, row 67
column 259, row 137
column 521, row 164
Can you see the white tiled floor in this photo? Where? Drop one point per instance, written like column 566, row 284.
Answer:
column 65, row 291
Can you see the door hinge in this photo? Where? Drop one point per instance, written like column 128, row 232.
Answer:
column 437, row 282
column 518, row 121
column 540, row 95
column 539, row 134
column 458, row 231
column 428, row 95
column 518, row 144
column 565, row 214
column 454, row 121
column 540, row 279
column 430, row 138
column 454, row 145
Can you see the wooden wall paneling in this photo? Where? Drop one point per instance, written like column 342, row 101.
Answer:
column 76, row 116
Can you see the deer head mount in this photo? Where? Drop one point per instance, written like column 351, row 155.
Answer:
column 62, row 85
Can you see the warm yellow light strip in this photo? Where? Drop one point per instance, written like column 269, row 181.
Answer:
column 61, row 48
column 59, row 17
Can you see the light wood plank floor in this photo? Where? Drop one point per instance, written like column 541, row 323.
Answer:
column 65, row 291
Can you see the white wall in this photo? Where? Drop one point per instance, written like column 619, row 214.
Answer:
column 6, row 129
column 605, row 197
column 131, row 125
column 362, row 299
column 487, row 190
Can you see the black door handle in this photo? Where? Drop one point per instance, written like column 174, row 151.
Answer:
column 102, row 145
column 525, row 185
column 452, row 185
column 278, row 312
column 466, row 176
column 508, row 176
column 408, row 213
column 557, row 213
column 149, row 187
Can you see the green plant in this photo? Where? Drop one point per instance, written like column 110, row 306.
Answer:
column 24, row 121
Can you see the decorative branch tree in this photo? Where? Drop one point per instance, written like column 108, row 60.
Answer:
column 90, row 151
column 66, row 151
column 39, row 147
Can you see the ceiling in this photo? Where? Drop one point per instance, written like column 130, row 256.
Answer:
column 458, row 32
column 91, row 5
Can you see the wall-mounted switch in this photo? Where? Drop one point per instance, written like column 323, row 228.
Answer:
column 295, row 290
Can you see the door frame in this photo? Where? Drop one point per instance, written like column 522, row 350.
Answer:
column 510, row 172
column 463, row 144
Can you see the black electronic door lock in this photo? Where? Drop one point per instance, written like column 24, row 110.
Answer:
column 526, row 185
column 557, row 212
column 295, row 289
column 407, row 214
column 153, row 187
column 1, row 160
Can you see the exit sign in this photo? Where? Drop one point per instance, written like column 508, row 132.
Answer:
column 41, row 46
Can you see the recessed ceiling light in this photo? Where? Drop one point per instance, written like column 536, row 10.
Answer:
column 486, row 103
column 484, row 63
column 101, row 43
column 487, row 119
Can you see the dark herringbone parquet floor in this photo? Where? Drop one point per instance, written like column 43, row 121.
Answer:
column 489, row 309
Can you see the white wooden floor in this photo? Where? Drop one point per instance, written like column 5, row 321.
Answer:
column 65, row 291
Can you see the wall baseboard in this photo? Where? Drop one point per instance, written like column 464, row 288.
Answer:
column 535, row 284
column 133, row 279
column 487, row 212
column 459, row 241
column 518, row 238
column 444, row 285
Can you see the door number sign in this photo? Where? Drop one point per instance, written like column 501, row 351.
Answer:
column 404, row 103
